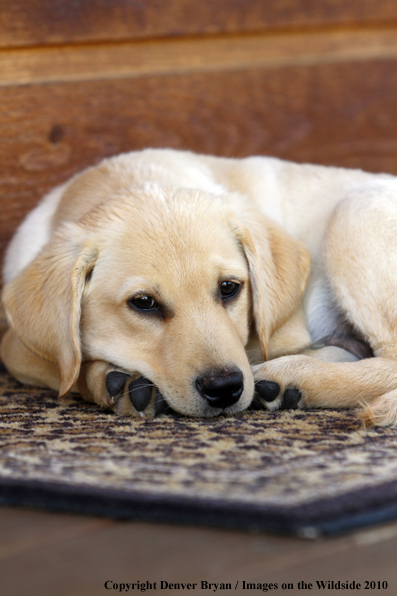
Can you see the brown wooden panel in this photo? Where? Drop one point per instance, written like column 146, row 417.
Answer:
column 343, row 114
column 37, row 22
column 133, row 59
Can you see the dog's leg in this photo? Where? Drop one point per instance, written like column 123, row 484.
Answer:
column 121, row 392
column 99, row 382
column 305, row 382
column 361, row 259
column 26, row 366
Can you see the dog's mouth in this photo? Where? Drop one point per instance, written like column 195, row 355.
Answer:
column 161, row 406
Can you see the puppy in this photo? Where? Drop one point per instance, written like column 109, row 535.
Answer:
column 163, row 279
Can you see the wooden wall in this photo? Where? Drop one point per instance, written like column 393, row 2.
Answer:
column 306, row 80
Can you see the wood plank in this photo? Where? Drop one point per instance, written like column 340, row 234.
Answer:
column 130, row 551
column 343, row 114
column 38, row 22
column 358, row 562
column 129, row 60
column 23, row 531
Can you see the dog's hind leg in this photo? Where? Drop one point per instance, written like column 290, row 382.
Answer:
column 367, row 288
column 382, row 411
column 361, row 263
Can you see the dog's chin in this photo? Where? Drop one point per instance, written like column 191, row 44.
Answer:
column 206, row 411
column 230, row 411
column 198, row 409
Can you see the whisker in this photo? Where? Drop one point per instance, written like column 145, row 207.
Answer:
column 139, row 388
column 128, row 392
column 167, row 409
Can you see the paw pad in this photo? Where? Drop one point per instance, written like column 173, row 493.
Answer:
column 267, row 390
column 115, row 382
column 160, row 405
column 140, row 392
column 291, row 398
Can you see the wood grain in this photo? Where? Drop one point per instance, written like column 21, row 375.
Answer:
column 63, row 554
column 128, row 60
column 39, row 22
column 23, row 531
column 342, row 114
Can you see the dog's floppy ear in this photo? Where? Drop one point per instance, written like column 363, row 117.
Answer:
column 42, row 302
column 279, row 268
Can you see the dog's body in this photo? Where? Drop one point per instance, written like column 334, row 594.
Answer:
column 156, row 264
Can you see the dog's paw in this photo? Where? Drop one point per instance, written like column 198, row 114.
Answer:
column 277, row 386
column 271, row 397
column 130, row 395
column 121, row 392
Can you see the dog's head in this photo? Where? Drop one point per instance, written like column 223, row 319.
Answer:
column 164, row 282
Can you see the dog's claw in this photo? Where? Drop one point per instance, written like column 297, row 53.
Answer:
column 291, row 398
column 140, row 392
column 267, row 390
column 115, row 382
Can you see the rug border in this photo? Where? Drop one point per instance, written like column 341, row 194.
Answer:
column 329, row 516
column 325, row 517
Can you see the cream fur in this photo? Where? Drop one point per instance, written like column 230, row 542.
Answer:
column 172, row 224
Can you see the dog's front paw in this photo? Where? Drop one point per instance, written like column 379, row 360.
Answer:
column 277, row 385
column 130, row 395
column 121, row 392
column 270, row 395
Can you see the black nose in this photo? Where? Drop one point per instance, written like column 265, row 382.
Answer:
column 221, row 388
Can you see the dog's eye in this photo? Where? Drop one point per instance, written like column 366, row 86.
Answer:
column 229, row 289
column 143, row 303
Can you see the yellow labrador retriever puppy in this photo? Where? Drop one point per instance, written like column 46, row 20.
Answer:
column 167, row 279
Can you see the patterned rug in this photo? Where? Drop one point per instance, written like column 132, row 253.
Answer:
column 302, row 473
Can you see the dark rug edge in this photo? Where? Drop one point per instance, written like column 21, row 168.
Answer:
column 326, row 517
